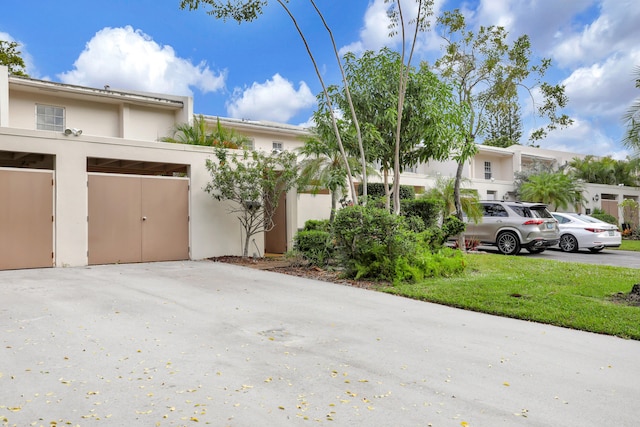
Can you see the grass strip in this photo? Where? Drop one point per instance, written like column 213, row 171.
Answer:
column 570, row 295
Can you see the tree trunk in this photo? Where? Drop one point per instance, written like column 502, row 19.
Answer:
column 457, row 202
column 245, row 251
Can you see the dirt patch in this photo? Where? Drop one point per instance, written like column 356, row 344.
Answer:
column 631, row 298
column 297, row 268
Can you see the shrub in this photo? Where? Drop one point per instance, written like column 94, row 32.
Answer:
column 603, row 216
column 426, row 263
column 428, row 209
column 317, row 224
column 376, row 189
column 369, row 240
column 314, row 245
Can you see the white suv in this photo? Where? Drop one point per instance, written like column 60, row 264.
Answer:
column 514, row 225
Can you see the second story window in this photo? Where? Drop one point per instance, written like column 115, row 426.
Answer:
column 487, row 170
column 277, row 146
column 49, row 117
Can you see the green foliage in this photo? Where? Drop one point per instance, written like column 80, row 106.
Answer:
column 603, row 216
column 557, row 189
column 444, row 190
column 10, row 57
column 252, row 183
column 427, row 209
column 606, row 170
column 369, row 240
column 376, row 190
column 373, row 243
column 426, row 263
column 317, row 224
column 631, row 119
column 435, row 236
column 427, row 126
column 199, row 133
column 314, row 245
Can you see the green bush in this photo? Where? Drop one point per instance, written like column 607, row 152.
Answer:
column 317, row 224
column 314, row 245
column 426, row 263
column 376, row 189
column 603, row 216
column 369, row 240
column 428, row 209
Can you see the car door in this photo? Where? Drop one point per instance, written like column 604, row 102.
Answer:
column 492, row 220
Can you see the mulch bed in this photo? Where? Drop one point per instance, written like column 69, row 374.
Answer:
column 295, row 268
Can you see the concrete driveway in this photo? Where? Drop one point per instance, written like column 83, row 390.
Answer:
column 201, row 343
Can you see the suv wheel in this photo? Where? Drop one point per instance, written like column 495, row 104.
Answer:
column 568, row 243
column 508, row 243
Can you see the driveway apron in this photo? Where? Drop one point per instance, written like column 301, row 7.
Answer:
column 203, row 343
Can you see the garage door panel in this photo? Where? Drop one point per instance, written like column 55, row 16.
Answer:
column 165, row 229
column 114, row 219
column 26, row 219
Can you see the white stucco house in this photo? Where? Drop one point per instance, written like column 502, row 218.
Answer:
column 84, row 179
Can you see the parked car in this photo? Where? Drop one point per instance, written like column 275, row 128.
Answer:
column 584, row 231
column 514, row 225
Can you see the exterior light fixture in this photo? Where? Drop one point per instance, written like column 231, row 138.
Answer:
column 596, row 198
column 73, row 131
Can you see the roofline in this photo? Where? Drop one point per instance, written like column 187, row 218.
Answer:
column 168, row 101
column 270, row 127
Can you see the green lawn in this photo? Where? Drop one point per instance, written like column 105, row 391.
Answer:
column 564, row 294
column 630, row 245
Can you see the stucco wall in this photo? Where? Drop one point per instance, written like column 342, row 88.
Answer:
column 213, row 231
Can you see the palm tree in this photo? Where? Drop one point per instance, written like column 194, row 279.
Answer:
column 199, row 134
column 323, row 166
column 444, row 190
column 195, row 134
column 632, row 120
column 555, row 189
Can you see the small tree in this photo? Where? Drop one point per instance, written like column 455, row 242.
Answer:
column 251, row 181
column 10, row 56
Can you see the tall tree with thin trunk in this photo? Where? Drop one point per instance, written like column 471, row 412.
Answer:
column 484, row 66
column 421, row 23
column 249, row 10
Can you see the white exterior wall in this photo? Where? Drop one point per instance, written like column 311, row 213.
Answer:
column 213, row 232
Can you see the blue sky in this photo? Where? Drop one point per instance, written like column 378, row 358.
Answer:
column 260, row 70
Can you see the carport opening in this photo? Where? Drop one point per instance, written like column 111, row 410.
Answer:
column 135, row 167
column 20, row 159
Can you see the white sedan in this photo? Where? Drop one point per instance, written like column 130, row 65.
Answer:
column 583, row 231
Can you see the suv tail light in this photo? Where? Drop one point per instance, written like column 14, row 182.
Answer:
column 534, row 222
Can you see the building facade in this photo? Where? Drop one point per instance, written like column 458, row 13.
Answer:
column 84, row 179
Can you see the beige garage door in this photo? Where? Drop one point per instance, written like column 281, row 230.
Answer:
column 137, row 218
column 26, row 218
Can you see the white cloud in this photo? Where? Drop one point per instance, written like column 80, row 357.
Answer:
column 374, row 34
column 274, row 100
column 605, row 89
column 615, row 29
column 125, row 58
column 584, row 137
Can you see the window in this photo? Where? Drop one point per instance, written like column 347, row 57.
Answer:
column 49, row 117
column 250, row 144
column 487, row 170
column 491, row 209
column 277, row 146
